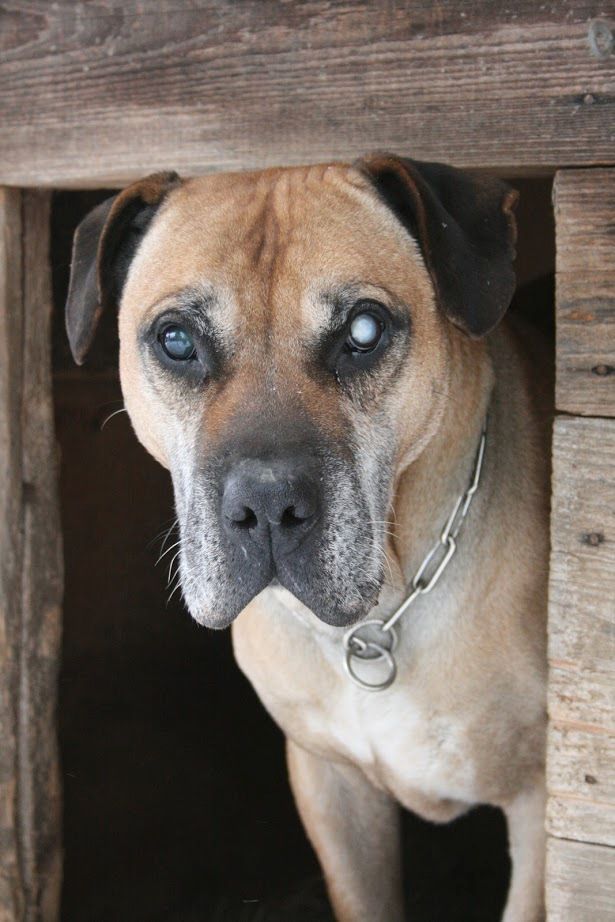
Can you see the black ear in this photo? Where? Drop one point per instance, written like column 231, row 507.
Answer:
column 465, row 228
column 104, row 246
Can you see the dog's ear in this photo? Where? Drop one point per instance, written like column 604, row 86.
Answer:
column 104, row 246
column 465, row 228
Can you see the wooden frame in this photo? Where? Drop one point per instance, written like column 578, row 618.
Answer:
column 98, row 93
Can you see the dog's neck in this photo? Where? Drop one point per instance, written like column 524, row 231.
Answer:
column 428, row 487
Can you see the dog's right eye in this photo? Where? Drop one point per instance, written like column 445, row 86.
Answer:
column 177, row 343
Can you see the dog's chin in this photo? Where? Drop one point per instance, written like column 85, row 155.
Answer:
column 226, row 609
column 337, row 608
column 337, row 615
column 211, row 619
column 320, row 600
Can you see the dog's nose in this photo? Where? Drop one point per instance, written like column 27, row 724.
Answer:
column 272, row 501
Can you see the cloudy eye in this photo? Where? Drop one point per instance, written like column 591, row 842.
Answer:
column 177, row 343
column 365, row 332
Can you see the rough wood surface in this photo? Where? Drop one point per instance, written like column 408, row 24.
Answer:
column 585, row 279
column 97, row 92
column 30, row 570
column 11, row 884
column 581, row 752
column 580, row 882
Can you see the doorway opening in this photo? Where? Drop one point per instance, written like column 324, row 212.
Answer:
column 176, row 803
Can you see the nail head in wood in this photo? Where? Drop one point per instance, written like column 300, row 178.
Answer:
column 601, row 40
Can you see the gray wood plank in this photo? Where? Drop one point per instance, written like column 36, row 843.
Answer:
column 585, row 277
column 580, row 882
column 581, row 747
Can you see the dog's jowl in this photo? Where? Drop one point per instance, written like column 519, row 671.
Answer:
column 317, row 357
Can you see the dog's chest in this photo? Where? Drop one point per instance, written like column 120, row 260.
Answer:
column 416, row 748
column 421, row 755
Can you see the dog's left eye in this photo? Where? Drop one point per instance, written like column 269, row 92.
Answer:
column 365, row 332
column 177, row 343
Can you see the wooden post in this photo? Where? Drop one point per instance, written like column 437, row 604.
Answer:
column 30, row 569
column 581, row 749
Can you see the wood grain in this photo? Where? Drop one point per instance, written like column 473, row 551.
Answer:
column 98, row 92
column 580, row 882
column 41, row 575
column 585, row 286
column 12, row 896
column 581, row 751
column 30, row 574
column 582, row 783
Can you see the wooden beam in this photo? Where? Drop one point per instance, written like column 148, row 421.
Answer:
column 581, row 750
column 30, row 569
column 99, row 92
column 585, row 278
column 580, row 882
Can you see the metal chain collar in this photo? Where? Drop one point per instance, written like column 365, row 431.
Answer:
column 374, row 641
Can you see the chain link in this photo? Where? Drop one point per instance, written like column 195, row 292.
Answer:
column 378, row 648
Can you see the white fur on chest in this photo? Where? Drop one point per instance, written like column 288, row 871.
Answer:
column 401, row 746
column 404, row 743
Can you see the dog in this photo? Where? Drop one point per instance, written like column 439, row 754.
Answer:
column 316, row 355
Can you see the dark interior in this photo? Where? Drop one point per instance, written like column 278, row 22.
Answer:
column 176, row 803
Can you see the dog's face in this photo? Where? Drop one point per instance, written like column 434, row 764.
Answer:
column 284, row 352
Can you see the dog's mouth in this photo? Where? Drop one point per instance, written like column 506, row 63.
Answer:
column 219, row 587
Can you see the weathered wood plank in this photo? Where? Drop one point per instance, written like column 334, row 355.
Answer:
column 99, row 92
column 585, row 279
column 582, row 783
column 30, row 574
column 12, row 897
column 581, row 750
column 580, row 882
column 41, row 576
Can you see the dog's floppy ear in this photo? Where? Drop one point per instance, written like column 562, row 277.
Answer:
column 465, row 228
column 104, row 246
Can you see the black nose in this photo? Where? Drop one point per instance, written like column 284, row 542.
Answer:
column 273, row 502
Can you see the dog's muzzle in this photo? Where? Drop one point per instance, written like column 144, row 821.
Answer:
column 273, row 505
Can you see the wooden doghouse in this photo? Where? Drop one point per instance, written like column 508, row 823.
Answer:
column 97, row 93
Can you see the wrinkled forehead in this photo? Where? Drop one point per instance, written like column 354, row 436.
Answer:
column 275, row 236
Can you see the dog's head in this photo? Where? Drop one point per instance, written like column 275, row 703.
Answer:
column 285, row 338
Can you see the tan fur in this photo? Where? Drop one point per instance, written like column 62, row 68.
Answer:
column 465, row 721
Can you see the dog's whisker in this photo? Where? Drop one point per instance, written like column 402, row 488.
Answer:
column 379, row 523
column 111, row 415
column 168, row 533
column 168, row 551
column 175, row 588
column 173, row 559
column 163, row 534
column 383, row 557
column 385, row 531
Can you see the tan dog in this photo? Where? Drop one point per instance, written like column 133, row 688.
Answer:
column 305, row 350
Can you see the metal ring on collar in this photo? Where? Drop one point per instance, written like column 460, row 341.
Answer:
column 353, row 637
column 372, row 686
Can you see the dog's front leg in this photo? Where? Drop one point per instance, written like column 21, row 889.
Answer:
column 527, row 842
column 355, row 830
